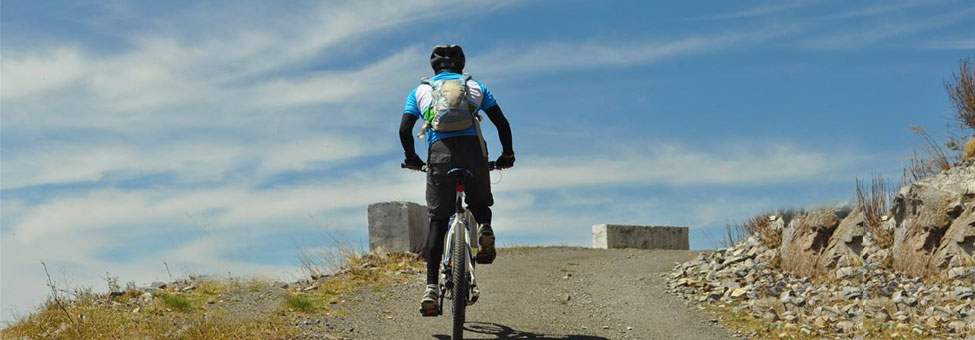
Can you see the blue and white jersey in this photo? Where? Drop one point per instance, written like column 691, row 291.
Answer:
column 421, row 100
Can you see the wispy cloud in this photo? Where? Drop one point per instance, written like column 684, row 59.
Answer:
column 951, row 44
column 677, row 165
column 765, row 9
column 865, row 34
column 553, row 56
column 884, row 8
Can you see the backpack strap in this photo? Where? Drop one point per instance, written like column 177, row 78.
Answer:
column 467, row 91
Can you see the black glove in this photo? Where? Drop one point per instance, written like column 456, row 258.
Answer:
column 413, row 162
column 505, row 161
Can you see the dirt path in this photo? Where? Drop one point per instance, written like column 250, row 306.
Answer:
column 545, row 293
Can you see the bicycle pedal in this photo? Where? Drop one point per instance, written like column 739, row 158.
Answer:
column 429, row 309
column 484, row 259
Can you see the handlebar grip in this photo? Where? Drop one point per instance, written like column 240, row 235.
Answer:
column 414, row 168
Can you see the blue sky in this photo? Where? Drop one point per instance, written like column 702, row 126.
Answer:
column 227, row 137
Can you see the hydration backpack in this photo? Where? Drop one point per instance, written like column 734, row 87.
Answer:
column 450, row 111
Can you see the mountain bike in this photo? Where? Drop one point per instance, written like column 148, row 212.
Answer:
column 457, row 281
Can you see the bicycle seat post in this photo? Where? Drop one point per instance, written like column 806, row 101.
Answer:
column 460, row 174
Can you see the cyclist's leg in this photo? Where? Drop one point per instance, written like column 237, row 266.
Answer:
column 440, row 194
column 479, row 199
column 434, row 248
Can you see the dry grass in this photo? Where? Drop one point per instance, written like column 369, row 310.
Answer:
column 875, row 204
column 759, row 226
column 961, row 92
column 375, row 270
column 803, row 264
column 930, row 161
column 812, row 231
column 93, row 316
column 176, row 314
column 913, row 263
column 932, row 158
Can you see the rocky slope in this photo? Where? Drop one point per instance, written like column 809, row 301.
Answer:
column 829, row 272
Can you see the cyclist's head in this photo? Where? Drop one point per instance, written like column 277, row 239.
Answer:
column 447, row 58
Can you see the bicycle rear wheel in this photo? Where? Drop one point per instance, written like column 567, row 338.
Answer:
column 459, row 276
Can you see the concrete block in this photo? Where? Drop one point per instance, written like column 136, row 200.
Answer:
column 398, row 226
column 609, row 236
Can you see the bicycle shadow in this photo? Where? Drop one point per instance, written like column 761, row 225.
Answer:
column 505, row 332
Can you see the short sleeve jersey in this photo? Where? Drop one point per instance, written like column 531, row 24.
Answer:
column 420, row 101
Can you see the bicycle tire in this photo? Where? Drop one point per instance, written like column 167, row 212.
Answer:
column 459, row 276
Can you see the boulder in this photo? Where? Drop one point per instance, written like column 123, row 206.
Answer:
column 845, row 247
column 958, row 243
column 924, row 212
column 613, row 236
column 398, row 226
column 805, row 238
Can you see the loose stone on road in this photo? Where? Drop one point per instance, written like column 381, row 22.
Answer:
column 544, row 293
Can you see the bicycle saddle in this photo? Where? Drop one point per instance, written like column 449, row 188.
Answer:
column 460, row 173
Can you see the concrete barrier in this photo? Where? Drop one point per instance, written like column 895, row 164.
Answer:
column 398, row 226
column 608, row 236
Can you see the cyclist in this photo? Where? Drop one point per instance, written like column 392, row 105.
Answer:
column 464, row 148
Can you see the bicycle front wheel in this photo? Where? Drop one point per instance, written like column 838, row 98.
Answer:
column 459, row 275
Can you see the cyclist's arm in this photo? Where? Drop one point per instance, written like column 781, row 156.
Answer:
column 504, row 129
column 406, row 134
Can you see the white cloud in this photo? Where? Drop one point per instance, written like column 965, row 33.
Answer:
column 29, row 74
column 186, row 68
column 190, row 159
column 676, row 165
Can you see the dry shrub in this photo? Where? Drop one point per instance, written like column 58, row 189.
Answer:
column 930, row 161
column 961, row 91
column 811, row 233
column 874, row 204
column 734, row 234
column 802, row 263
column 759, row 226
column 913, row 263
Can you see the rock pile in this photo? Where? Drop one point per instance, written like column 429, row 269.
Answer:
column 851, row 270
column 850, row 300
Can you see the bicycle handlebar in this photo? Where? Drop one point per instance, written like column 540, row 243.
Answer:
column 492, row 165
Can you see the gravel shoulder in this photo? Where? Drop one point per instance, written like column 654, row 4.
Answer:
column 542, row 293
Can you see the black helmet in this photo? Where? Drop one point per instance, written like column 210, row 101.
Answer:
column 449, row 57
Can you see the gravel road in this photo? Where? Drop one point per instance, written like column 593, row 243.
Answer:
column 543, row 293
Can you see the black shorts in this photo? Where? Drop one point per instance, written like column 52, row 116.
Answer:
column 456, row 152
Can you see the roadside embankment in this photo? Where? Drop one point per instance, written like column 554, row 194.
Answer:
column 867, row 270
